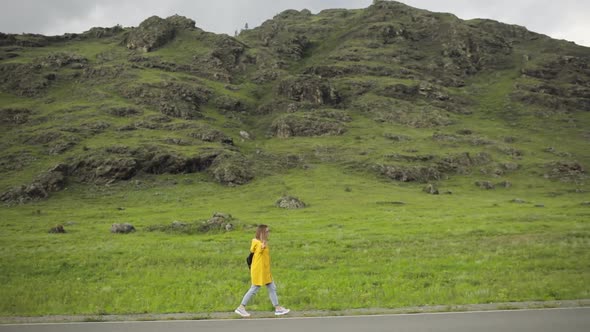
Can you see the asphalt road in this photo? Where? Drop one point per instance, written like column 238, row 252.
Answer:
column 541, row 320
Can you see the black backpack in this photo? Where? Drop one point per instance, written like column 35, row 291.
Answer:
column 249, row 260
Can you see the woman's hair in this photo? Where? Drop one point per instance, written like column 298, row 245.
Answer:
column 260, row 231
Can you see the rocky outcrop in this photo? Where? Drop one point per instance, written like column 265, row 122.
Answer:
column 62, row 59
column 227, row 103
column 177, row 100
column 31, row 79
column 46, row 183
column 124, row 111
column 423, row 90
column 572, row 69
column 439, row 167
column 155, row 32
column 16, row 161
column 104, row 170
column 410, row 173
column 463, row 162
column 565, row 171
column 390, row 110
column 14, row 116
column 150, row 34
column 100, row 32
column 209, row 134
column 559, row 84
column 122, row 163
column 286, row 41
column 310, row 89
column 180, row 22
column 218, row 222
column 7, row 39
column 551, row 96
column 291, row 125
column 227, row 52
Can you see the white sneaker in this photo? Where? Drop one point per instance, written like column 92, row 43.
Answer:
column 281, row 311
column 242, row 312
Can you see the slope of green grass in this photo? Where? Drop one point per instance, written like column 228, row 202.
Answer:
column 352, row 247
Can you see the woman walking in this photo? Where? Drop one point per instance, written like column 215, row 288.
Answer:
column 260, row 273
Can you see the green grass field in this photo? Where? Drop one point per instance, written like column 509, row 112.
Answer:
column 352, row 247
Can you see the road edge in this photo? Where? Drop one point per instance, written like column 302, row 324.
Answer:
column 295, row 313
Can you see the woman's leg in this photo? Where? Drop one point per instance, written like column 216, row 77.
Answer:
column 251, row 292
column 272, row 293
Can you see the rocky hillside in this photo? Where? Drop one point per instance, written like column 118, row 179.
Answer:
column 391, row 91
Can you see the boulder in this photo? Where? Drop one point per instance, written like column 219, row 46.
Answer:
column 58, row 229
column 289, row 202
column 122, row 228
column 431, row 189
column 245, row 135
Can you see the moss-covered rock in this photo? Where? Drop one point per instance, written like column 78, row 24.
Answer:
column 231, row 168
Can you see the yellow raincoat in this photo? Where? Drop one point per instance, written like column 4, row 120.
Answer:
column 260, row 269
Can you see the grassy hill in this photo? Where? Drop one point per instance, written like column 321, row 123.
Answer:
column 441, row 161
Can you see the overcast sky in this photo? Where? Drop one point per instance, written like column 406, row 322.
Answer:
column 561, row 19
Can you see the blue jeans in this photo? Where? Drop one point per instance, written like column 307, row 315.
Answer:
column 272, row 293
